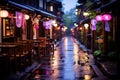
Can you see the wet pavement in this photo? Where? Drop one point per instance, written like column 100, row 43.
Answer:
column 69, row 62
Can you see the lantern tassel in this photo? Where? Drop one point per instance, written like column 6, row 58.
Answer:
column 107, row 28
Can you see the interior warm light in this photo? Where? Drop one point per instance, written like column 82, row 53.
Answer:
column 51, row 8
column 87, row 77
column 58, row 28
column 3, row 13
column 80, row 28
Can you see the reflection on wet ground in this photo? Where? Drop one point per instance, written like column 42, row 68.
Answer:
column 68, row 63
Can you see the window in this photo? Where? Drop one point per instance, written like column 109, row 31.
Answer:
column 8, row 28
column 51, row 8
column 41, row 3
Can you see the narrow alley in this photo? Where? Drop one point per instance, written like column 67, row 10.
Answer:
column 69, row 62
column 59, row 40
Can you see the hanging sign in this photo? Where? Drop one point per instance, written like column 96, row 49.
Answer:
column 19, row 18
column 107, row 28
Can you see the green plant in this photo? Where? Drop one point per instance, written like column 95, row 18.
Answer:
column 101, row 36
column 97, row 53
column 99, row 27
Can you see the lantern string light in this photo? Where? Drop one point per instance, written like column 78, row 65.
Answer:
column 104, row 17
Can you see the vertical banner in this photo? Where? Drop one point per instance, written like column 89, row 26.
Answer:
column 93, row 27
column 93, row 22
column 19, row 19
column 107, row 28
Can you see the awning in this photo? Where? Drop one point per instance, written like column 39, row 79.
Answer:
column 44, row 12
column 85, row 20
column 108, row 6
column 19, row 5
column 31, row 8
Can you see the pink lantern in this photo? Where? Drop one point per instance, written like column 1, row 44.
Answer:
column 107, row 17
column 99, row 18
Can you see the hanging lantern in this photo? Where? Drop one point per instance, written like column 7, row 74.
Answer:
column 27, row 16
column 86, row 25
column 93, row 22
column 100, row 40
column 99, row 18
column 3, row 13
column 107, row 17
column 47, row 25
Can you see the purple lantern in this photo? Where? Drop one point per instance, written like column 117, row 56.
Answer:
column 99, row 18
column 93, row 22
column 107, row 17
column 47, row 24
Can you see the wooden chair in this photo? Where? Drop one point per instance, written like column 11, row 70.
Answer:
column 42, row 46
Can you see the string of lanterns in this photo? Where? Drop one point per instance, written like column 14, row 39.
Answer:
column 104, row 17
